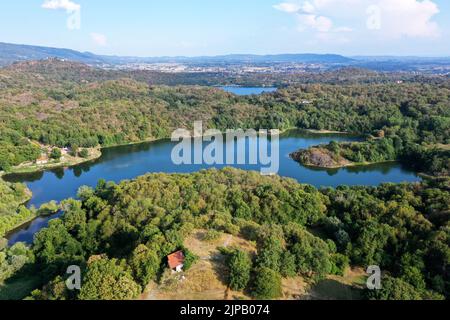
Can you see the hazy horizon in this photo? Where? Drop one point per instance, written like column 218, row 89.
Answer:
column 419, row 28
column 405, row 56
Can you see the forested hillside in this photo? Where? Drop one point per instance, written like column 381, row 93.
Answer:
column 121, row 234
column 432, row 159
column 68, row 104
column 12, row 213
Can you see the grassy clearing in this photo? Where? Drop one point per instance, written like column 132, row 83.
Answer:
column 294, row 288
column 206, row 280
column 440, row 146
column 18, row 288
column 348, row 287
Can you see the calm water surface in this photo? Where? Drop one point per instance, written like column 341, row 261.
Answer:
column 128, row 162
column 245, row 91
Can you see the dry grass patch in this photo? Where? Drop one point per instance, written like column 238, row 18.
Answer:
column 445, row 147
column 294, row 288
column 206, row 280
column 207, row 249
column 348, row 287
column 201, row 282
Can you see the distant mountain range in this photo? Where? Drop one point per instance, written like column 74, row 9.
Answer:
column 240, row 58
column 10, row 53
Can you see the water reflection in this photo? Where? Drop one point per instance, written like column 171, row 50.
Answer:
column 130, row 161
column 127, row 162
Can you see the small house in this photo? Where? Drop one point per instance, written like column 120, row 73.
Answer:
column 176, row 261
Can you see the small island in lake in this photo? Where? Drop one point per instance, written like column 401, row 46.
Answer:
column 320, row 157
column 338, row 155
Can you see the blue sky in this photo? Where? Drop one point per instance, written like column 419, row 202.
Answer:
column 211, row 27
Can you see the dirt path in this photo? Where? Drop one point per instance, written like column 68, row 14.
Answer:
column 228, row 241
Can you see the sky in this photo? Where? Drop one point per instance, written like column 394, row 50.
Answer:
column 214, row 27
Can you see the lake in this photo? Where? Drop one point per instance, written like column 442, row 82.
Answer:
column 246, row 91
column 128, row 162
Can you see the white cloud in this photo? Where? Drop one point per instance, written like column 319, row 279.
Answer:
column 67, row 5
column 99, row 39
column 288, row 7
column 319, row 23
column 308, row 7
column 308, row 14
column 397, row 18
column 409, row 18
column 343, row 29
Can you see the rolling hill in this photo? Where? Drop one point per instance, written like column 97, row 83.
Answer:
column 10, row 53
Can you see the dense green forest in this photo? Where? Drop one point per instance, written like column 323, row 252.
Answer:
column 402, row 228
column 431, row 160
column 12, row 211
column 121, row 234
column 66, row 104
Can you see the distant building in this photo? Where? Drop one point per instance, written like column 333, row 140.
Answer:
column 176, row 261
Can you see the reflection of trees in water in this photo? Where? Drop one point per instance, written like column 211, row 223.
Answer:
column 299, row 133
column 330, row 172
column 24, row 177
column 58, row 172
column 115, row 152
column 82, row 168
column 384, row 168
column 77, row 172
column 26, row 232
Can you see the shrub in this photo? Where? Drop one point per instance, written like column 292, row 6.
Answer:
column 340, row 263
column 267, row 284
column 189, row 259
column 55, row 154
column 394, row 289
column 108, row 280
column 48, row 209
column 212, row 235
column 84, row 153
column 240, row 265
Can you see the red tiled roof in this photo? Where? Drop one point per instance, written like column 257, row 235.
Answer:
column 176, row 259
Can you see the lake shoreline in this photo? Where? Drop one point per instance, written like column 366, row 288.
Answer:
column 68, row 164
column 325, row 131
column 154, row 157
column 324, row 160
column 93, row 157
column 33, row 168
column 19, row 226
column 28, row 197
column 350, row 165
